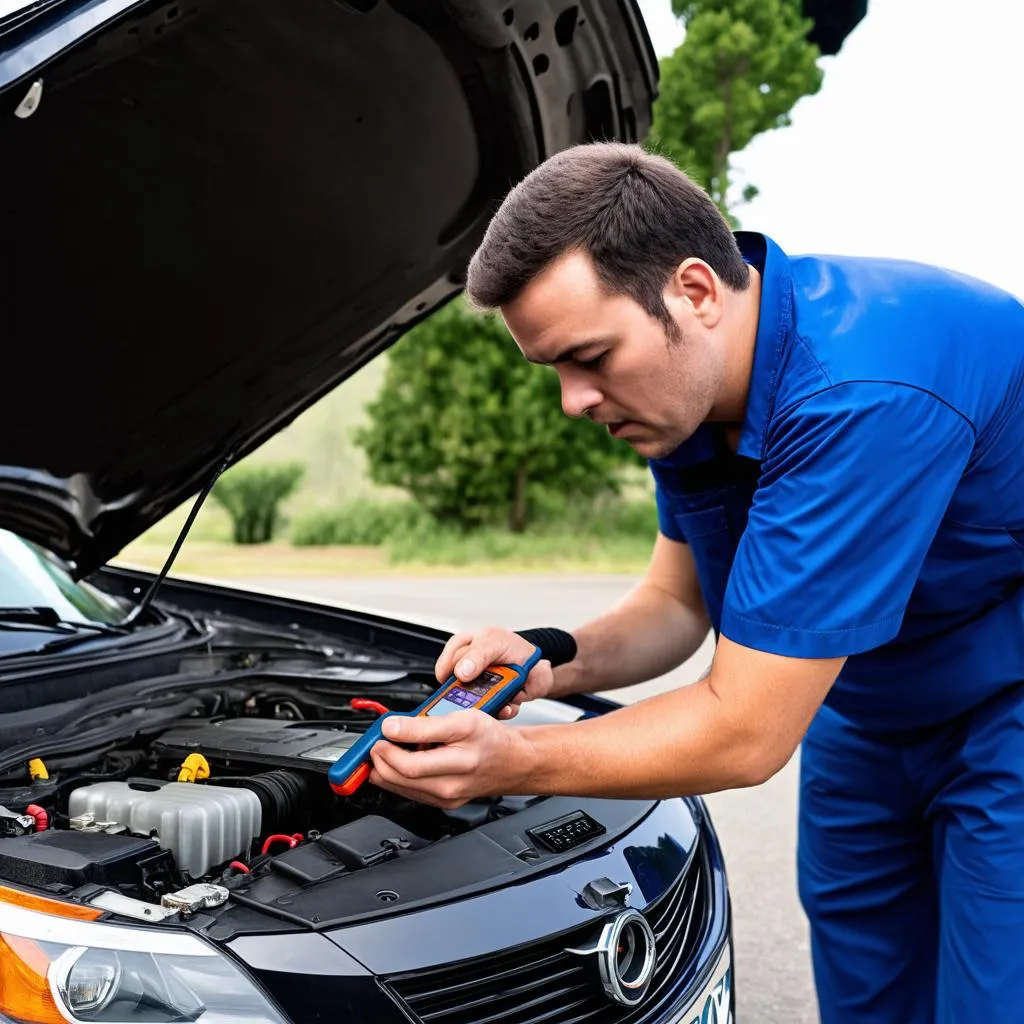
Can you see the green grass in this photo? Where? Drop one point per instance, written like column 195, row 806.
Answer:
column 549, row 552
column 480, row 555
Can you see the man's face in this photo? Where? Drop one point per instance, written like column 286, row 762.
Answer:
column 615, row 362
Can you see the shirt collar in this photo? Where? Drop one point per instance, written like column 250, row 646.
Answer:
column 774, row 322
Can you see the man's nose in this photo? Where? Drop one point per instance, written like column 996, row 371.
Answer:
column 578, row 396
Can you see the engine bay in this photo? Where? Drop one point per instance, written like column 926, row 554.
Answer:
column 233, row 790
column 184, row 780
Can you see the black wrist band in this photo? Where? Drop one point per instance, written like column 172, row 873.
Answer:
column 556, row 645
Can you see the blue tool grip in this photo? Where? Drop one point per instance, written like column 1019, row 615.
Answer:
column 506, row 693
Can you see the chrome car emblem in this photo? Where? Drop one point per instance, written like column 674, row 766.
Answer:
column 626, row 956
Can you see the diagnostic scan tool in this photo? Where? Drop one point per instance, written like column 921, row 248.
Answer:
column 488, row 692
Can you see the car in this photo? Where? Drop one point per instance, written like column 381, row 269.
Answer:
column 213, row 212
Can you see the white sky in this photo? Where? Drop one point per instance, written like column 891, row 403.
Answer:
column 914, row 146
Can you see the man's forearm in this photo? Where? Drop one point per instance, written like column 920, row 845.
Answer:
column 679, row 743
column 646, row 634
column 735, row 728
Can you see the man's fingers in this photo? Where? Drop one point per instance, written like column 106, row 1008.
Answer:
column 454, row 648
column 424, row 764
column 385, row 777
column 492, row 647
column 539, row 683
column 415, row 729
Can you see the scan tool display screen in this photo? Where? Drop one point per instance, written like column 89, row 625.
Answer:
column 466, row 695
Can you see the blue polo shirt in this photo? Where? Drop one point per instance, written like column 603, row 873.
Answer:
column 875, row 505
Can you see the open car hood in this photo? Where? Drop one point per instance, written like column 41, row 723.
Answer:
column 219, row 209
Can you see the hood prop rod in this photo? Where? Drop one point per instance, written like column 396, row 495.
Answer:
column 136, row 613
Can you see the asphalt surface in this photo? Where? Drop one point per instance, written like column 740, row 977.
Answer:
column 757, row 827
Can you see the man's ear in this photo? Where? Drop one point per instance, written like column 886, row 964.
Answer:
column 695, row 291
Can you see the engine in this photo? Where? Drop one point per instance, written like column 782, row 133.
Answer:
column 208, row 802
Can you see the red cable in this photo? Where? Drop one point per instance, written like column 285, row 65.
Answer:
column 42, row 818
column 364, row 704
column 239, row 866
column 292, row 840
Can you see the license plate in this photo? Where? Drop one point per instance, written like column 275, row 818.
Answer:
column 712, row 1005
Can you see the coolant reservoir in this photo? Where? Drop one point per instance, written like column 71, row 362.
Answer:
column 203, row 826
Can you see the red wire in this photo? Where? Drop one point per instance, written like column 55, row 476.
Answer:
column 39, row 813
column 238, row 866
column 364, row 704
column 292, row 840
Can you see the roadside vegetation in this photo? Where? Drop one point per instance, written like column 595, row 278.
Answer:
column 373, row 536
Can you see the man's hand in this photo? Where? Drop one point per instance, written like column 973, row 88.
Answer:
column 477, row 757
column 472, row 755
column 468, row 654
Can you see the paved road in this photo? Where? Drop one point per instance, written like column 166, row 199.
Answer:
column 757, row 827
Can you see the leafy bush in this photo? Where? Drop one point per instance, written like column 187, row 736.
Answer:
column 475, row 433
column 358, row 522
column 252, row 496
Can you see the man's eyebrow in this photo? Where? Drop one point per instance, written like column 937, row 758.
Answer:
column 566, row 354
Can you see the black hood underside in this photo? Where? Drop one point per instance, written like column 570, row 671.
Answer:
column 222, row 208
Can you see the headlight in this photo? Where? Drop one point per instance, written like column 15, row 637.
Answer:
column 56, row 966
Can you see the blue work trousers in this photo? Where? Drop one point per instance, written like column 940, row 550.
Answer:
column 911, row 868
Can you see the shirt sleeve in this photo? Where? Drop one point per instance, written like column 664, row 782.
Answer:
column 854, row 484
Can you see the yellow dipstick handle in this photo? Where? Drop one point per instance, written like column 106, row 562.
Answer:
column 194, row 768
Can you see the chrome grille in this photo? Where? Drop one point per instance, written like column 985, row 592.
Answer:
column 543, row 984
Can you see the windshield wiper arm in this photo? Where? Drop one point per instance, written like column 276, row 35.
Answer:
column 33, row 617
column 37, row 615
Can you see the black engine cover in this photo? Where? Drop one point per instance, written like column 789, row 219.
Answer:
column 238, row 742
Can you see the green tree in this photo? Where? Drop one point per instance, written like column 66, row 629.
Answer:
column 252, row 495
column 474, row 432
column 738, row 72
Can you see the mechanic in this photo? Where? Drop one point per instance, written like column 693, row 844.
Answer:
column 837, row 446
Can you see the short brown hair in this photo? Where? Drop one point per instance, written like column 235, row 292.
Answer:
column 634, row 213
